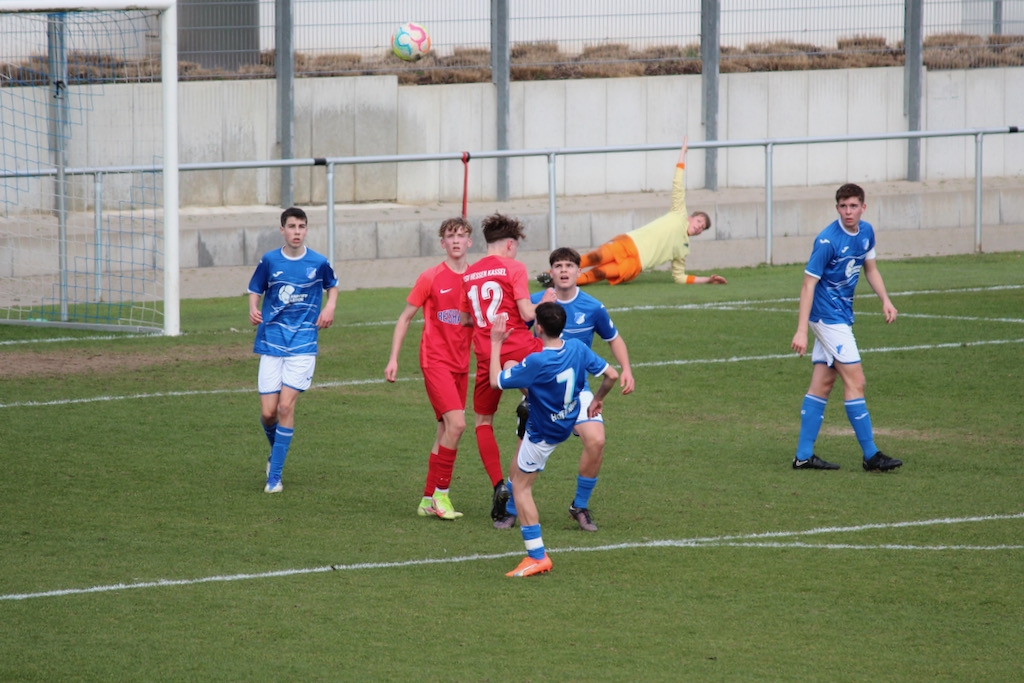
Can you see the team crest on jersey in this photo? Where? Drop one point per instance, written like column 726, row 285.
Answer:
column 579, row 317
column 310, row 273
column 864, row 244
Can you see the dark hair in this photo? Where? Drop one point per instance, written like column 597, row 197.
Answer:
column 293, row 212
column 551, row 318
column 455, row 224
column 850, row 190
column 564, row 254
column 498, row 227
column 707, row 218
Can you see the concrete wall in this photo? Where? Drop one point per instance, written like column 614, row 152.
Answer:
column 236, row 120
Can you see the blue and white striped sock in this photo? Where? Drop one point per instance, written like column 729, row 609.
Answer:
column 534, row 542
column 860, row 420
column 282, row 441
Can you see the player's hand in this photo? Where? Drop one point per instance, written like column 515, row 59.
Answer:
column 391, row 371
column 626, row 382
column 595, row 408
column 499, row 328
column 255, row 317
column 717, row 280
column 324, row 320
column 799, row 343
column 890, row 312
column 549, row 296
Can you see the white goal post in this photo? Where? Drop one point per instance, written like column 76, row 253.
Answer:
column 35, row 134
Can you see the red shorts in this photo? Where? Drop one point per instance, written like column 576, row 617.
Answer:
column 485, row 399
column 445, row 389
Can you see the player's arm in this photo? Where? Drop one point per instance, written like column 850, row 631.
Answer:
column 874, row 277
column 680, row 277
column 528, row 309
column 618, row 349
column 397, row 337
column 326, row 317
column 608, row 378
column 499, row 333
column 799, row 343
column 255, row 315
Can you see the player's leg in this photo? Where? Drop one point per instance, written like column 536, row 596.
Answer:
column 812, row 414
column 532, row 457
column 591, row 433
column 447, row 394
column 296, row 377
column 860, row 419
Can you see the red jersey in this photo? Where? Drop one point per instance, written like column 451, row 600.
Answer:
column 492, row 286
column 445, row 343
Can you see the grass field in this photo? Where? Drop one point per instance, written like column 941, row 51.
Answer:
column 136, row 542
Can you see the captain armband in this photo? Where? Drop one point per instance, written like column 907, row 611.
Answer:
column 690, row 279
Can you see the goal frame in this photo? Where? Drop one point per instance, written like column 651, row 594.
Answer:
column 169, row 104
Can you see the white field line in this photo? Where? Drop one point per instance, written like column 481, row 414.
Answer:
column 360, row 382
column 743, row 540
column 623, row 309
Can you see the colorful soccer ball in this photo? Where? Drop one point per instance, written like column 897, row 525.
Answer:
column 410, row 42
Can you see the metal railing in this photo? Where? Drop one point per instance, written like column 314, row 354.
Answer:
column 552, row 154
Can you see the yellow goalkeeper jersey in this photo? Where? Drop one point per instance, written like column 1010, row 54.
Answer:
column 666, row 239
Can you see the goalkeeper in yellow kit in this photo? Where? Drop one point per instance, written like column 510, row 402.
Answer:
column 660, row 241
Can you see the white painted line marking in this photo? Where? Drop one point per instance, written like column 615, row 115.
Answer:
column 713, row 541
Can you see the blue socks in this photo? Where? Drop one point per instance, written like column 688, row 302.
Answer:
column 534, row 542
column 860, row 419
column 269, row 431
column 584, row 487
column 812, row 413
column 282, row 440
column 510, row 506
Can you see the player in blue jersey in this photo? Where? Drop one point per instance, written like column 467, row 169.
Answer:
column 840, row 252
column 291, row 281
column 585, row 316
column 555, row 376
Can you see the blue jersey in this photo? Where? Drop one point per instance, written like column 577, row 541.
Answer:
column 836, row 260
column 555, row 378
column 292, row 290
column 584, row 315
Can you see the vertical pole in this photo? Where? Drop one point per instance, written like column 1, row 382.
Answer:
column 501, row 65
column 769, row 200
column 97, row 190
column 56, row 35
column 552, row 217
column 169, row 87
column 330, row 212
column 284, row 65
column 977, row 191
column 710, row 30
column 997, row 17
column 913, row 81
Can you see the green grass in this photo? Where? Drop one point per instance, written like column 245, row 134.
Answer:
column 701, row 569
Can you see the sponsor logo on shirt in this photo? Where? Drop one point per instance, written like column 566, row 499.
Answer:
column 449, row 316
column 287, row 295
column 564, row 412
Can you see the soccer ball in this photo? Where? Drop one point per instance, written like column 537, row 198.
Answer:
column 410, row 42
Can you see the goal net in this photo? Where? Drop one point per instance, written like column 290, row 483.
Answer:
column 88, row 164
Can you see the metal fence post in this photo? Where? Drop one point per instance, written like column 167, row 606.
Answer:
column 284, row 64
column 913, row 81
column 501, row 76
column 710, row 31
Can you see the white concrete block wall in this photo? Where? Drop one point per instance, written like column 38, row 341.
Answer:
column 236, row 120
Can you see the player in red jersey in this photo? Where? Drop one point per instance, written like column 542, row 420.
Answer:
column 494, row 285
column 444, row 359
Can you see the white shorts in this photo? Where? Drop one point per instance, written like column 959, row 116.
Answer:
column 295, row 372
column 532, row 457
column 586, row 398
column 834, row 342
